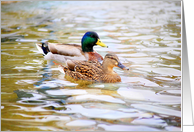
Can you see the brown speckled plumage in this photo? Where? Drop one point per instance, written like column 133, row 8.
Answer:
column 94, row 71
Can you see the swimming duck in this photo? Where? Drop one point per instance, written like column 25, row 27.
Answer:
column 93, row 70
column 62, row 52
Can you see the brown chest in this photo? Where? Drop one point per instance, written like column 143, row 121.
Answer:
column 93, row 56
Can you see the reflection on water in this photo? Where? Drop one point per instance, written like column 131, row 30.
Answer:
column 145, row 35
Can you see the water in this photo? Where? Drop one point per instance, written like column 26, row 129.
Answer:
column 145, row 35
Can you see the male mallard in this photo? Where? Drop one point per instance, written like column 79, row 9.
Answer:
column 62, row 52
column 93, row 70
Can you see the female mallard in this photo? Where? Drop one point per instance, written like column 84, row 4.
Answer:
column 62, row 52
column 94, row 71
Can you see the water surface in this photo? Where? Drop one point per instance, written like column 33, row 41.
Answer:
column 145, row 35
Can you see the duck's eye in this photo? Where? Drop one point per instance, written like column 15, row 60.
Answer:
column 92, row 36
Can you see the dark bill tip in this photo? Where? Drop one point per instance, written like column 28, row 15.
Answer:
column 120, row 65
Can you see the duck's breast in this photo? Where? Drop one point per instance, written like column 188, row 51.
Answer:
column 94, row 56
column 110, row 78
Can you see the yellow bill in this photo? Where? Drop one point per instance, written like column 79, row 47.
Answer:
column 101, row 44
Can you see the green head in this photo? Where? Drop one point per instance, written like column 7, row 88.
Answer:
column 89, row 40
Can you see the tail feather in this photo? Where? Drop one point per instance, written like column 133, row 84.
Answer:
column 43, row 48
column 62, row 69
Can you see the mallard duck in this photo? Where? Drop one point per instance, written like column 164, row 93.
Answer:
column 93, row 70
column 62, row 52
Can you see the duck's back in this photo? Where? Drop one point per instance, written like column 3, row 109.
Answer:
column 66, row 49
column 91, row 70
